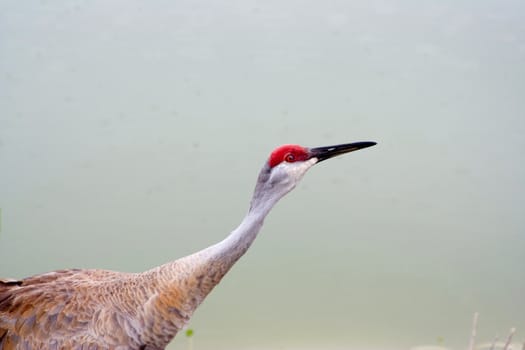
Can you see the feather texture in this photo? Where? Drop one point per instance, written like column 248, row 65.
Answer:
column 100, row 309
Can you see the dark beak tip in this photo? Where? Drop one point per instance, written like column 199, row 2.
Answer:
column 368, row 143
column 328, row 152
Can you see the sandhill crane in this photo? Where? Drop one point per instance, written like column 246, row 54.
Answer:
column 99, row 309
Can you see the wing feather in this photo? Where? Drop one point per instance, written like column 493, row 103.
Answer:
column 59, row 308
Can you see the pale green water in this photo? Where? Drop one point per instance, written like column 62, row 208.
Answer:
column 131, row 133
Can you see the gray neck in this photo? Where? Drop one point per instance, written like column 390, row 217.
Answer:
column 224, row 254
column 211, row 264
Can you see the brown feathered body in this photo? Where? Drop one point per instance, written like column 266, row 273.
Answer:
column 99, row 309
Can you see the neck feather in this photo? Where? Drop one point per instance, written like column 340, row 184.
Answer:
column 218, row 259
column 183, row 284
column 198, row 273
column 224, row 254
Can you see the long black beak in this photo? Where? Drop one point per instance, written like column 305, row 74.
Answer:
column 323, row 153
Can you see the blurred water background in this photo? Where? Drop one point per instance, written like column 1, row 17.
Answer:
column 132, row 132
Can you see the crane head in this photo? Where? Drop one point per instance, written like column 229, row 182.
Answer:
column 290, row 154
column 288, row 163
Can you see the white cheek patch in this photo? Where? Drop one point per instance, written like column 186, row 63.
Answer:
column 298, row 169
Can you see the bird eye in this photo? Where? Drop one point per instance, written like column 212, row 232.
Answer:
column 289, row 158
